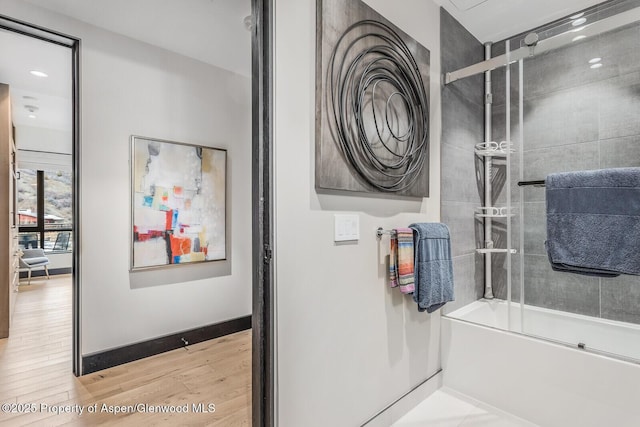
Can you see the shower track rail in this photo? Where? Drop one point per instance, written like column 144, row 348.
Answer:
column 589, row 30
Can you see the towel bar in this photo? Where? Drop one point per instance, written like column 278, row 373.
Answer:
column 539, row 183
column 380, row 231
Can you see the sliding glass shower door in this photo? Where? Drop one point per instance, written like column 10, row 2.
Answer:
column 578, row 107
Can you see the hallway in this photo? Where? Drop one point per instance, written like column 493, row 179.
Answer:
column 35, row 369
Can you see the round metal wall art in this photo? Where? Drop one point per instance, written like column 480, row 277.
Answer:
column 378, row 106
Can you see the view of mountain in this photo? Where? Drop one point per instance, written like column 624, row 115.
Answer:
column 57, row 193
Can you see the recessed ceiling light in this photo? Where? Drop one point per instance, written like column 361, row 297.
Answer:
column 598, row 65
column 575, row 39
column 38, row 73
column 594, row 60
column 579, row 21
column 32, row 116
column 578, row 29
column 576, row 16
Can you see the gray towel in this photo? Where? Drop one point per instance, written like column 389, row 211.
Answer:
column 593, row 222
column 433, row 266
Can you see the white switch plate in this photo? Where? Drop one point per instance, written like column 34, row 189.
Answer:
column 347, row 228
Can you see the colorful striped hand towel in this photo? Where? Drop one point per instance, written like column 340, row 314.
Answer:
column 393, row 261
column 405, row 260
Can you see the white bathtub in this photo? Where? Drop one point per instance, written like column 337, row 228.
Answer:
column 543, row 382
column 615, row 338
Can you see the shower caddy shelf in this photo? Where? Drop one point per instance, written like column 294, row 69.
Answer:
column 494, row 212
column 495, row 251
column 494, row 149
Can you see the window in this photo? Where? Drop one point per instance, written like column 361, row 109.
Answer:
column 28, row 198
column 57, row 200
column 45, row 210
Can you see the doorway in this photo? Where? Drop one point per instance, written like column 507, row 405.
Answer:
column 43, row 83
column 258, row 208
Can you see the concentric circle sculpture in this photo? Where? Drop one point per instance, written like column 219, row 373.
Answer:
column 378, row 106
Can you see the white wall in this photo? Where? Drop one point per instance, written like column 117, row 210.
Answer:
column 42, row 139
column 129, row 87
column 44, row 149
column 347, row 345
column 44, row 161
column 60, row 260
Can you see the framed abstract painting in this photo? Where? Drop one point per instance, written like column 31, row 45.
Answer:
column 178, row 203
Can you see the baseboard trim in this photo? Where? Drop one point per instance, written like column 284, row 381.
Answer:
column 125, row 354
column 41, row 273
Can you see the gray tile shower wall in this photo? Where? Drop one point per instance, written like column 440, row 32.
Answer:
column 575, row 118
column 462, row 176
column 620, row 298
column 571, row 292
column 468, row 273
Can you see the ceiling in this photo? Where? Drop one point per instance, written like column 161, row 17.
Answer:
column 51, row 96
column 495, row 20
column 211, row 31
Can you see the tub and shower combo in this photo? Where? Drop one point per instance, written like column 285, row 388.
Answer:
column 555, row 348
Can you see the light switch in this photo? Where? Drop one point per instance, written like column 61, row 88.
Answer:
column 347, row 228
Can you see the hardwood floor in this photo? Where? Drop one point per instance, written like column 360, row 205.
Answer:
column 35, row 369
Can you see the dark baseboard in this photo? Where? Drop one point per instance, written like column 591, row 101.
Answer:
column 117, row 356
column 40, row 273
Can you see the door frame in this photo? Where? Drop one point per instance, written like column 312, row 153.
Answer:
column 263, row 318
column 60, row 39
column 263, row 345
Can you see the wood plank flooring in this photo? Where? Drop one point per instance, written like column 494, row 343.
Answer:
column 35, row 369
